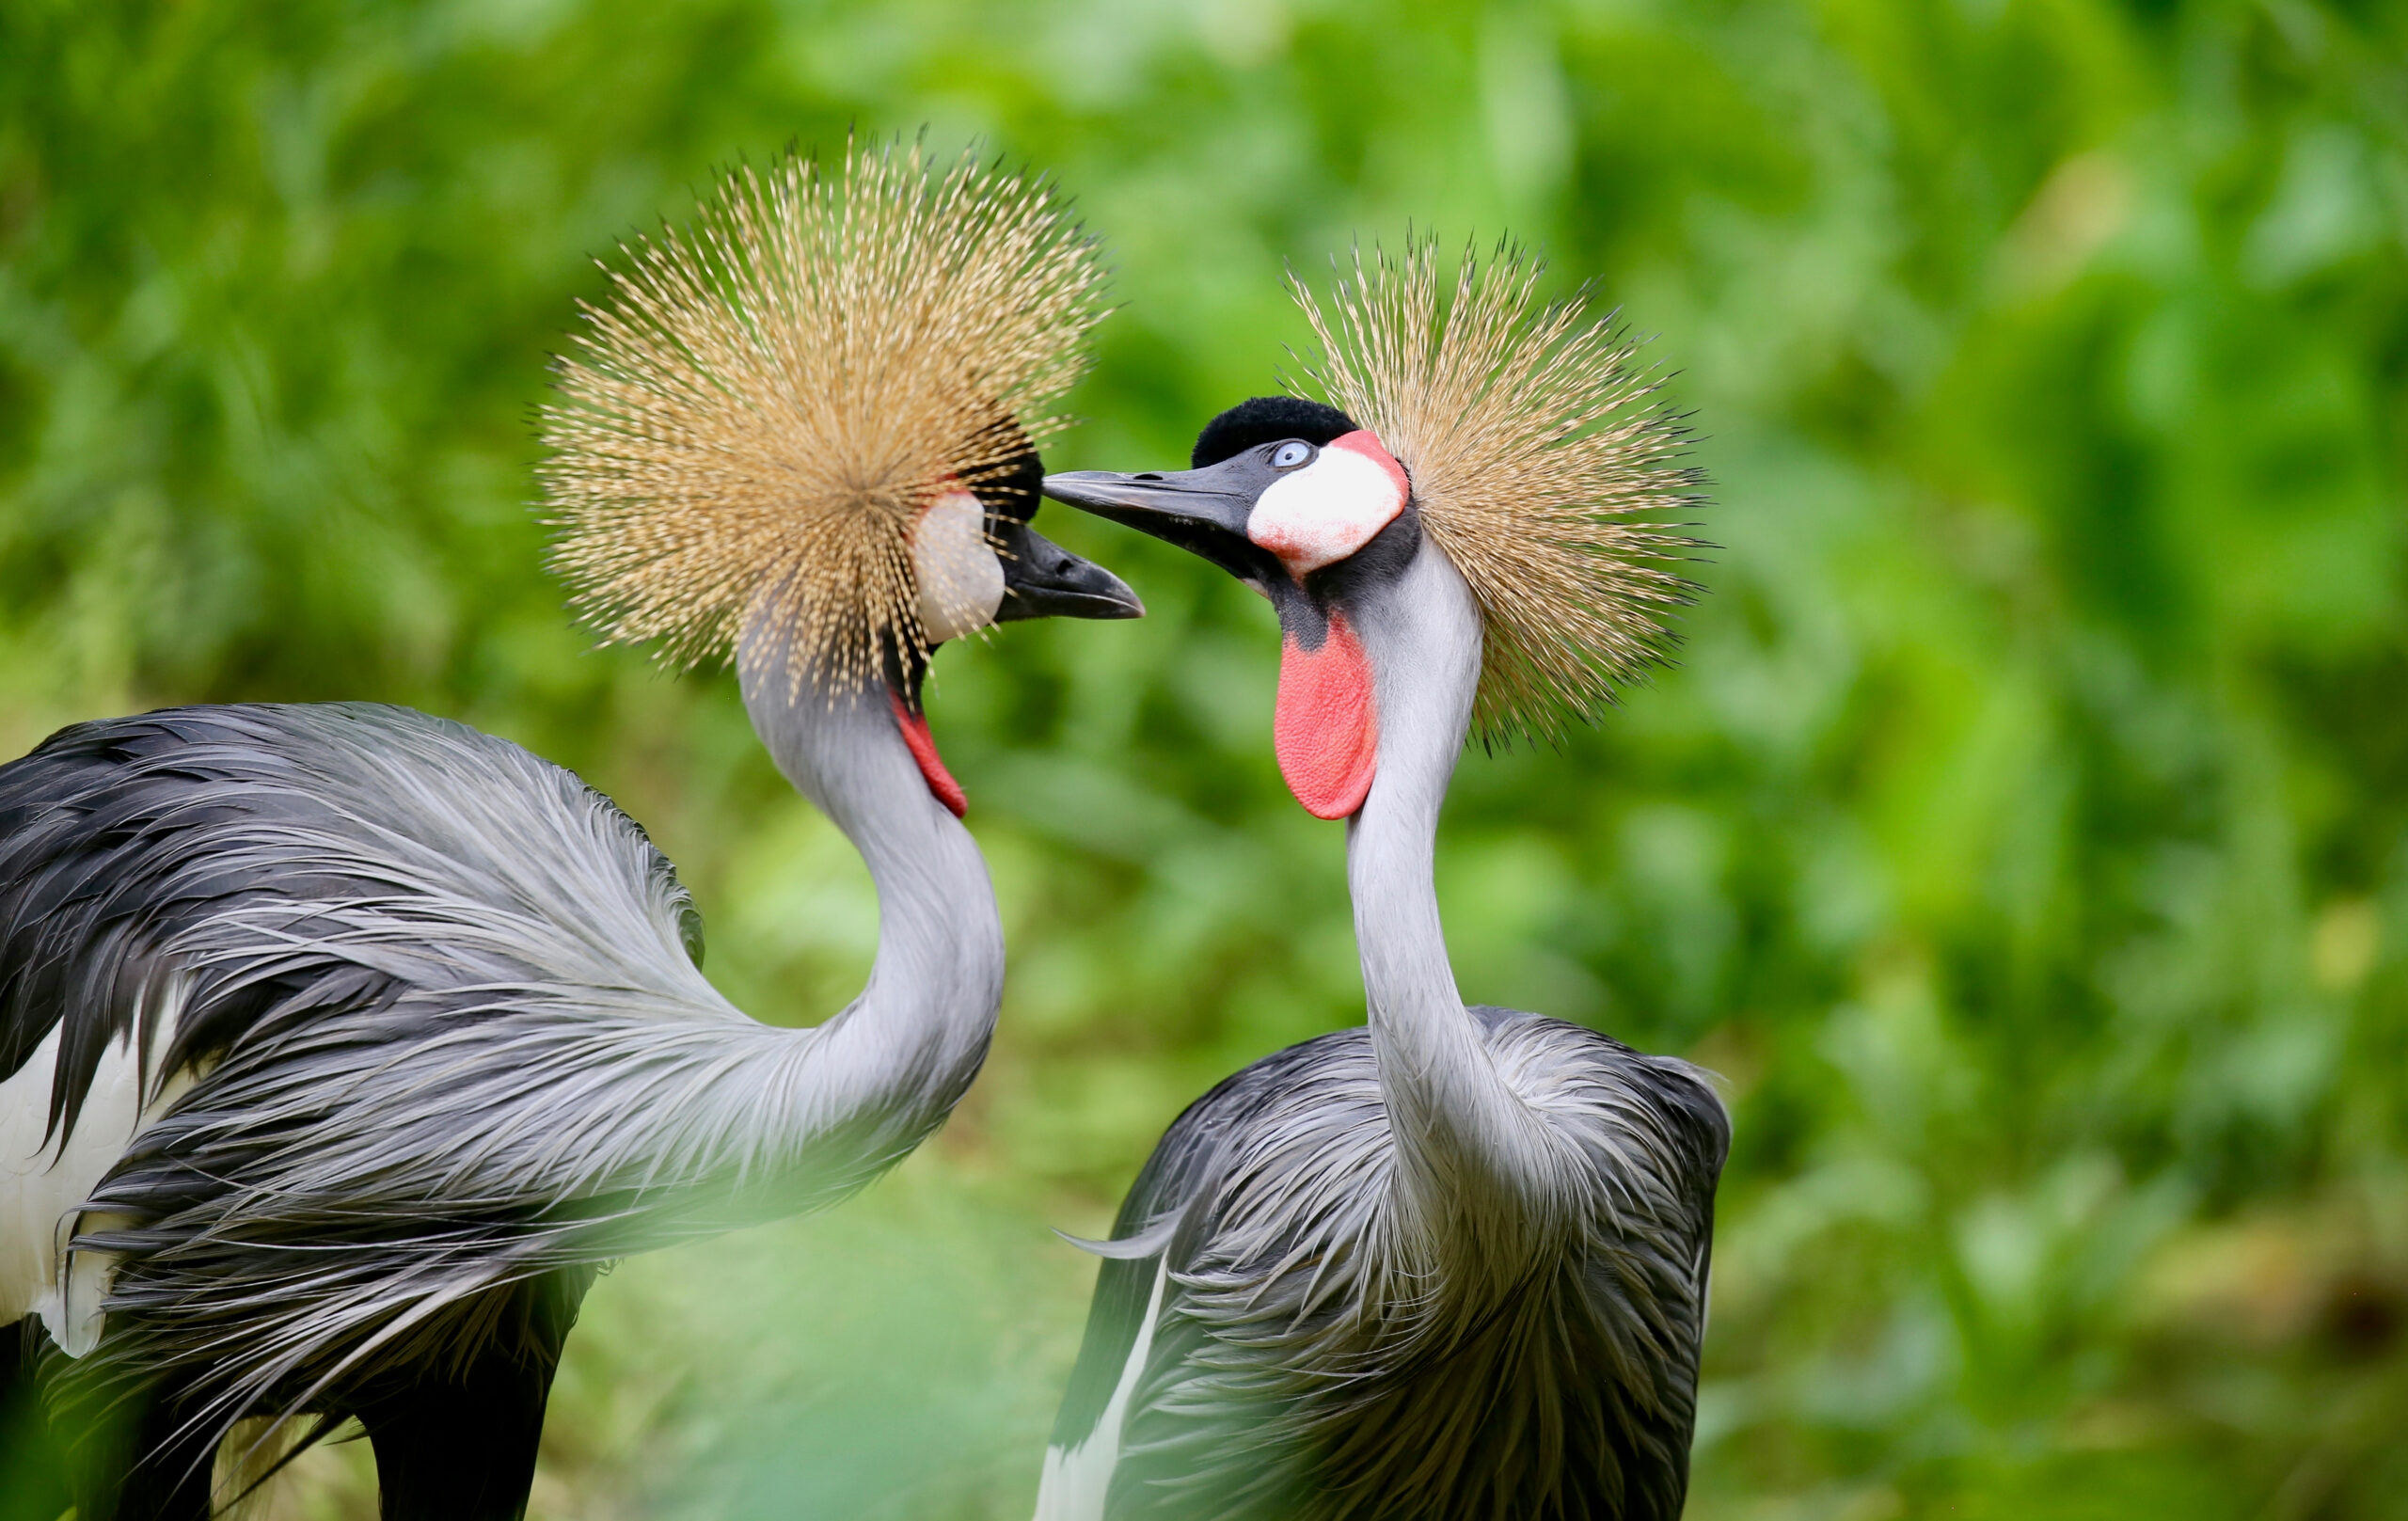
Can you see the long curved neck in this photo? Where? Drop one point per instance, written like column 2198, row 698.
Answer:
column 891, row 1066
column 1472, row 1168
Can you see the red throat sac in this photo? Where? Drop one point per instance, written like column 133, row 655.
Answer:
column 1326, row 729
column 942, row 787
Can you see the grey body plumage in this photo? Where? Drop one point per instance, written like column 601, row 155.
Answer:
column 1315, row 1356
column 449, row 1031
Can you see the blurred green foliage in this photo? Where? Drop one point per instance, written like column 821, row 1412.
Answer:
column 2024, row 836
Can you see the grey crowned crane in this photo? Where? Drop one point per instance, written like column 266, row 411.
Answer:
column 342, row 1044
column 1453, row 1266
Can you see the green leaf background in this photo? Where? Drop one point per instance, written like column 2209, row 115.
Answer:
column 2024, row 836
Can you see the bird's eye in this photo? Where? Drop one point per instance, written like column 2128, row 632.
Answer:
column 1290, row 454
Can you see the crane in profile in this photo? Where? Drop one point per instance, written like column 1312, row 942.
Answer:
column 1452, row 1264
column 340, row 1045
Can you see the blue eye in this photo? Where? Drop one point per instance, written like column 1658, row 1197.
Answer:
column 1290, row 454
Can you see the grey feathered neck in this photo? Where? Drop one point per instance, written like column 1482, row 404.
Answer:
column 1478, row 1186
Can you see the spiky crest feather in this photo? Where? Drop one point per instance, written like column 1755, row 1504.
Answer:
column 1540, row 463
column 751, row 424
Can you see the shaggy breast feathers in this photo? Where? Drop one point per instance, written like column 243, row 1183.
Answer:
column 1307, row 1341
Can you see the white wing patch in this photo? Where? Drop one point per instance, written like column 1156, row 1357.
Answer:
column 1078, row 1480
column 43, row 1183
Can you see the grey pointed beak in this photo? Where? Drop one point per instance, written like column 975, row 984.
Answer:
column 1161, row 503
column 1203, row 511
column 1041, row 579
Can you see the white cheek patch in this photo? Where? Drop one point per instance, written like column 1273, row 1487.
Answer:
column 961, row 582
column 1331, row 508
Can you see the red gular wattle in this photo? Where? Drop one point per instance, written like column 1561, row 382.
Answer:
column 1326, row 729
column 942, row 787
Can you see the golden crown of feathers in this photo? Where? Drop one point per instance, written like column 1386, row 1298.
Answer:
column 1540, row 465
column 750, row 426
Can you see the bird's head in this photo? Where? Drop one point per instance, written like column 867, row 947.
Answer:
column 1296, row 501
column 976, row 562
column 803, row 431
column 1475, row 528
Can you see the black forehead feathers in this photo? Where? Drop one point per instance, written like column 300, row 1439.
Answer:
column 1013, row 491
column 1263, row 420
